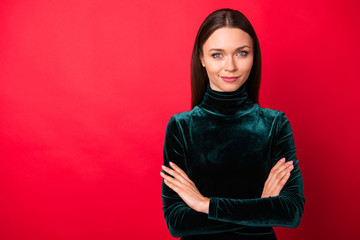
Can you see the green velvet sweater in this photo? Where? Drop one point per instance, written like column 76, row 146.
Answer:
column 227, row 145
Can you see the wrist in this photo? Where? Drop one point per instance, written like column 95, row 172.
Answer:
column 205, row 203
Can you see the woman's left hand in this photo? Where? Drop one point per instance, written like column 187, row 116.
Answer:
column 185, row 188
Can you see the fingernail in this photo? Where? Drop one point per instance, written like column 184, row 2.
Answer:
column 163, row 167
column 290, row 162
column 288, row 174
column 282, row 160
column 171, row 163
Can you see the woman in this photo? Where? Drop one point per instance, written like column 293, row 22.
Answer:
column 230, row 165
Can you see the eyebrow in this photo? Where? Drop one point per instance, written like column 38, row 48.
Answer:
column 222, row 50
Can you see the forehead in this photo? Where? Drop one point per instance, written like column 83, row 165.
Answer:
column 228, row 38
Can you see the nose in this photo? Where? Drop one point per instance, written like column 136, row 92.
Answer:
column 230, row 64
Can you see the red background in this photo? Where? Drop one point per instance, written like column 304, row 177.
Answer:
column 87, row 88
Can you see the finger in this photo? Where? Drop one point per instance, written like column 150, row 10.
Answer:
column 275, row 168
column 171, row 180
column 176, row 176
column 283, row 174
column 281, row 167
column 274, row 187
column 173, row 173
column 282, row 183
column 276, row 176
column 278, row 164
column 179, row 170
column 169, row 183
column 167, row 177
column 178, row 187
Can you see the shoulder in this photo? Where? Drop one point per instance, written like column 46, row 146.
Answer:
column 184, row 117
column 276, row 120
column 179, row 121
column 271, row 115
column 280, row 124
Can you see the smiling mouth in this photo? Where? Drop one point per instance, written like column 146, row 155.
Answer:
column 229, row 79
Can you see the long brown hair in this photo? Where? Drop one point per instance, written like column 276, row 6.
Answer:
column 223, row 18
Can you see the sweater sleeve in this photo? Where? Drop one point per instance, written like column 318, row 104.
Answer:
column 182, row 220
column 284, row 210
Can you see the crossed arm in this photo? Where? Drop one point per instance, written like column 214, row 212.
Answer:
column 179, row 182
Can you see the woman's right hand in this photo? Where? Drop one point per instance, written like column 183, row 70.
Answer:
column 277, row 178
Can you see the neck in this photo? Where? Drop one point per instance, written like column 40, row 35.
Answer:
column 225, row 103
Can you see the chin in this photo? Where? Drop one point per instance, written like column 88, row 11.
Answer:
column 230, row 87
column 223, row 86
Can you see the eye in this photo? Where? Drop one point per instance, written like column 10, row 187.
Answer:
column 242, row 53
column 216, row 55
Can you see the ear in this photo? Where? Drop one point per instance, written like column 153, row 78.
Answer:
column 202, row 60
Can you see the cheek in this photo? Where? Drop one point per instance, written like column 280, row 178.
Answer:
column 246, row 66
column 213, row 68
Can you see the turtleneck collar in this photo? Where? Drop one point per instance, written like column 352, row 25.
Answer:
column 225, row 103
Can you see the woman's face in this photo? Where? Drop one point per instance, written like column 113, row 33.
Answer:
column 228, row 58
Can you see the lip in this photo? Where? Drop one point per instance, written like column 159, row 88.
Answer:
column 229, row 79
